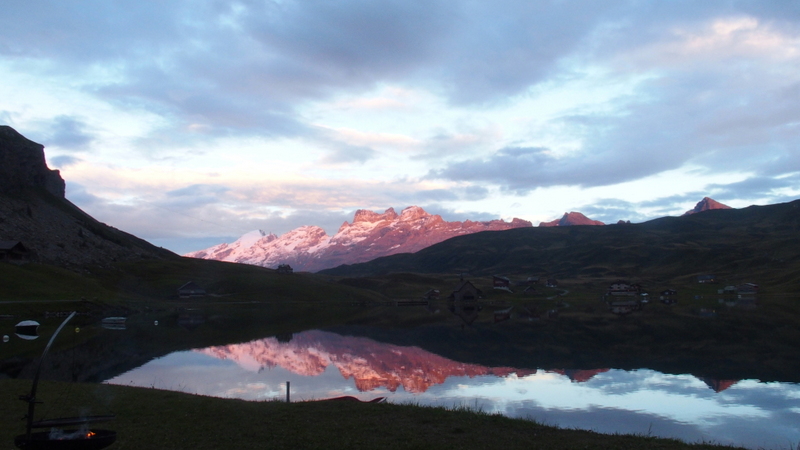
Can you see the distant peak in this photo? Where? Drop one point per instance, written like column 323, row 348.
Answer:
column 571, row 219
column 706, row 204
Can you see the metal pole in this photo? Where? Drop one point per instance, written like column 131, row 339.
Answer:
column 31, row 399
column 287, row 393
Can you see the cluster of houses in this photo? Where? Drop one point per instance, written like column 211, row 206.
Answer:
column 528, row 285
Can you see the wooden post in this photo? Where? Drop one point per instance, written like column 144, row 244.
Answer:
column 287, row 392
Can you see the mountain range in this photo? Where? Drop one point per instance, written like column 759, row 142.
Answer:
column 369, row 363
column 757, row 242
column 370, row 235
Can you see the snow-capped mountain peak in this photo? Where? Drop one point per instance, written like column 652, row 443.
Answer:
column 369, row 236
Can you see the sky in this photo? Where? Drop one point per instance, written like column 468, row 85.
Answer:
column 190, row 123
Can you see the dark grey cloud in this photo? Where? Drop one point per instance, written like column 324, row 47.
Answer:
column 610, row 211
column 69, row 133
column 194, row 196
column 77, row 194
column 244, row 67
column 710, row 119
column 759, row 187
column 514, row 169
column 345, row 153
column 63, row 161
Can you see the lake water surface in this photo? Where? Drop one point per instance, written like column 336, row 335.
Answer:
column 321, row 364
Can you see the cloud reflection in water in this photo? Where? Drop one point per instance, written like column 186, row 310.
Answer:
column 322, row 365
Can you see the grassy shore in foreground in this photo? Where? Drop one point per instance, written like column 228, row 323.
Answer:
column 149, row 418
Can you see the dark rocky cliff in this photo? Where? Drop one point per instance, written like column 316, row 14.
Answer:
column 22, row 165
column 34, row 212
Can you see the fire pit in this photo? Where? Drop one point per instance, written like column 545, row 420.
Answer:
column 66, row 440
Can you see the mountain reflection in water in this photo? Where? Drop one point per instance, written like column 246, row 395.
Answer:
column 369, row 363
column 322, row 365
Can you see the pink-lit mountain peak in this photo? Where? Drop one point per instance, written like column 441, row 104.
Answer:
column 706, row 204
column 571, row 219
column 369, row 236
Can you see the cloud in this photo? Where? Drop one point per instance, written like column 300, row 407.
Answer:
column 68, row 133
column 344, row 153
column 781, row 189
column 64, row 161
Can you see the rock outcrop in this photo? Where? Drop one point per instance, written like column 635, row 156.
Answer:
column 22, row 165
column 370, row 235
column 570, row 219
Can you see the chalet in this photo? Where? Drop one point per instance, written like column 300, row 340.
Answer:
column 706, row 279
column 530, row 290
column 624, row 306
column 465, row 292
column 621, row 288
column 502, row 315
column 500, row 282
column 747, row 288
column 432, row 294
column 669, row 292
column 466, row 311
column 13, row 251
column 551, row 283
column 284, row 268
column 191, row 290
column 728, row 290
column 533, row 280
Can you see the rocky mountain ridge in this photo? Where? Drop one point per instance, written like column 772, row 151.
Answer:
column 369, row 236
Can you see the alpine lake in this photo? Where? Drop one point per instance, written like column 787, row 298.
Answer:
column 682, row 377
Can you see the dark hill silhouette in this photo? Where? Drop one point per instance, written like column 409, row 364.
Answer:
column 758, row 240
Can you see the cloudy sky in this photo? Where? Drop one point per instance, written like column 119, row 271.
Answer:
column 189, row 123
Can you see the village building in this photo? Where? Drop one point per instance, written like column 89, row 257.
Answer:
column 500, row 282
column 13, row 251
column 706, row 279
column 503, row 314
column 465, row 292
column 621, row 288
column 624, row 306
column 191, row 290
column 432, row 294
column 551, row 283
column 747, row 289
column 669, row 300
column 284, row 268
